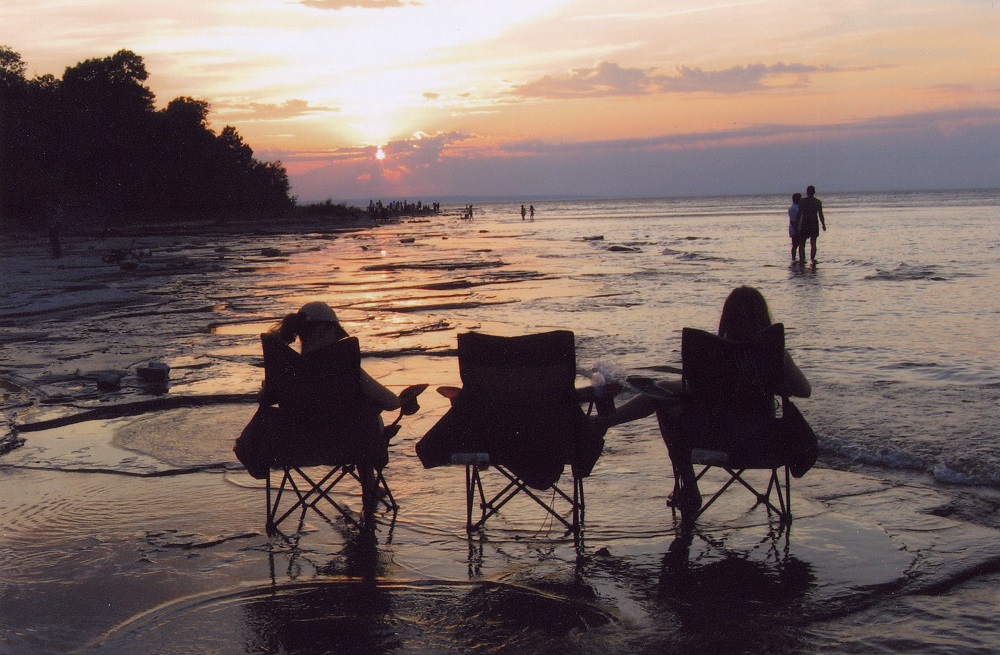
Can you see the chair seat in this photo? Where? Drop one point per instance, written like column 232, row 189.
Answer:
column 709, row 457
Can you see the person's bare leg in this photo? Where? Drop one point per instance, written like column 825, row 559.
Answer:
column 641, row 406
column 687, row 498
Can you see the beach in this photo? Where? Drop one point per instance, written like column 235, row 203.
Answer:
column 141, row 532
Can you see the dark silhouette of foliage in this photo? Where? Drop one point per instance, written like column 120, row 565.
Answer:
column 94, row 146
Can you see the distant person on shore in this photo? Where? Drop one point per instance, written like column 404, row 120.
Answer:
column 744, row 314
column 794, row 226
column 523, row 212
column 531, row 211
column 53, row 225
column 810, row 218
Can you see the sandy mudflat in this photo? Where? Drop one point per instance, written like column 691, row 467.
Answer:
column 142, row 534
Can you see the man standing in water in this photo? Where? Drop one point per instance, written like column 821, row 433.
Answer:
column 810, row 218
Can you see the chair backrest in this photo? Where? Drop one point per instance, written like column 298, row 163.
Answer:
column 518, row 404
column 324, row 382
column 734, row 376
column 522, row 371
column 328, row 419
column 729, row 401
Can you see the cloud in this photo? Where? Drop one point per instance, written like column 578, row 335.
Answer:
column 606, row 79
column 271, row 111
column 903, row 127
column 738, row 79
column 610, row 79
column 945, row 149
column 423, row 149
column 337, row 5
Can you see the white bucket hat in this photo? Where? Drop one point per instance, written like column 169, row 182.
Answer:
column 317, row 312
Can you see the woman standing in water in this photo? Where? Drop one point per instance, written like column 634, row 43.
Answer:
column 794, row 224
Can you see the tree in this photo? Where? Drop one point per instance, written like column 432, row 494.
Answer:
column 96, row 137
column 12, row 68
column 12, row 90
column 108, row 112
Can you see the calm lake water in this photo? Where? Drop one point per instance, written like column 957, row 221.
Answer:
column 141, row 534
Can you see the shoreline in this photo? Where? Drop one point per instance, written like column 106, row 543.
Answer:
column 320, row 217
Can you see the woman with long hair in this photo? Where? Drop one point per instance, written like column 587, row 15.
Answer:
column 744, row 315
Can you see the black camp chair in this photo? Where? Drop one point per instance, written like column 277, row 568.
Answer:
column 316, row 430
column 728, row 418
column 517, row 413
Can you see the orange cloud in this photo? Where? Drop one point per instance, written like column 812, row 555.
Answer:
column 269, row 111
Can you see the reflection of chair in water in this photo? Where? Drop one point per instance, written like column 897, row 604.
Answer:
column 518, row 413
column 728, row 417
column 322, row 616
column 321, row 432
column 721, row 596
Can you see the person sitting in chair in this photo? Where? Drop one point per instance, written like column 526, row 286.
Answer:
column 315, row 325
column 744, row 314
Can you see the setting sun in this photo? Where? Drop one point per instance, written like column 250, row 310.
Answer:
column 380, row 154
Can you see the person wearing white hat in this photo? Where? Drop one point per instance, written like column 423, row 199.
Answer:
column 316, row 325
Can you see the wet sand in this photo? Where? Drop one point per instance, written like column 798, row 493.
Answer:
column 143, row 534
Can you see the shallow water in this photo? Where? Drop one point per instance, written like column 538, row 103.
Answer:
column 142, row 533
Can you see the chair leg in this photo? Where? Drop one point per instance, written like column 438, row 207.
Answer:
column 369, row 493
column 371, row 480
column 269, row 524
column 782, row 507
column 516, row 486
column 579, row 508
column 380, row 482
column 788, row 493
column 470, row 474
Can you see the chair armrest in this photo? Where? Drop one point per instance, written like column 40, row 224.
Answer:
column 408, row 399
column 449, row 392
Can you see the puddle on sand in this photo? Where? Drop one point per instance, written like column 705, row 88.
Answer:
column 356, row 616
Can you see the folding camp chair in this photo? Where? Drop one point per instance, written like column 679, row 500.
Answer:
column 517, row 413
column 728, row 418
column 320, row 431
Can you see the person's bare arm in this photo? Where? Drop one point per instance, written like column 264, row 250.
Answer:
column 373, row 389
column 795, row 382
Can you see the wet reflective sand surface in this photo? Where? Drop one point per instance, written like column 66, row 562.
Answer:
column 141, row 533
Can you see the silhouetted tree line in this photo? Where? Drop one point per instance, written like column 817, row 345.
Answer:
column 92, row 145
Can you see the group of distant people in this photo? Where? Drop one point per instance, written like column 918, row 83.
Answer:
column 378, row 211
column 524, row 212
column 805, row 216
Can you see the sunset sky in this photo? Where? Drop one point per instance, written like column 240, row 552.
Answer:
column 539, row 98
